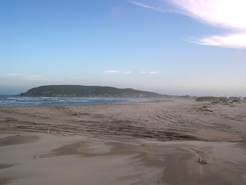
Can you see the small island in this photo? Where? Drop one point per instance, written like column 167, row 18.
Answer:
column 87, row 91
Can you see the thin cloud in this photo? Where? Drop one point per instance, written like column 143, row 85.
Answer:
column 227, row 14
column 145, row 6
column 13, row 74
column 154, row 72
column 117, row 71
column 149, row 72
column 219, row 13
column 230, row 41
column 112, row 71
column 37, row 78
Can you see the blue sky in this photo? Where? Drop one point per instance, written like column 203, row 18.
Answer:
column 167, row 46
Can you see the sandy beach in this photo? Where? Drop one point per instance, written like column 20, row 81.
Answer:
column 170, row 142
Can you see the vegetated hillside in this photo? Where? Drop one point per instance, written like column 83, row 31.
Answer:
column 86, row 91
column 212, row 98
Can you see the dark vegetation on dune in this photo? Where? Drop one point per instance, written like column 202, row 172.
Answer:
column 212, row 98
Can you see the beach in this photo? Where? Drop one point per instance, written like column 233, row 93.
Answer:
column 169, row 141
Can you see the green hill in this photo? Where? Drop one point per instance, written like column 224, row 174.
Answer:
column 86, row 91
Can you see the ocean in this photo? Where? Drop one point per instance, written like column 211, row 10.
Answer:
column 19, row 101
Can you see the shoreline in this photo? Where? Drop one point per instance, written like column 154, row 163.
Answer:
column 55, row 102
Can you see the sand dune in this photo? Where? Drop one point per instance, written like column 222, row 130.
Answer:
column 165, row 142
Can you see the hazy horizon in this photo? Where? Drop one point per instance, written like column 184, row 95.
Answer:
column 17, row 92
column 170, row 47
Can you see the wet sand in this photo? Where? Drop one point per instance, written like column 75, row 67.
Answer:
column 165, row 142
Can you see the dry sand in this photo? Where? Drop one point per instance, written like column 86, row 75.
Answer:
column 166, row 142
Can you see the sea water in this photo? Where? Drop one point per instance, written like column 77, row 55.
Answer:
column 21, row 101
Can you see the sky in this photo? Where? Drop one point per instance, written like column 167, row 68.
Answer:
column 175, row 47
